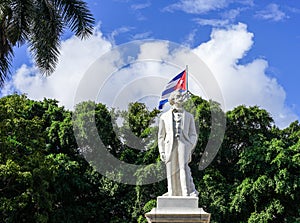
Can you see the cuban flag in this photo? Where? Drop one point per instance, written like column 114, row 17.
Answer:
column 177, row 83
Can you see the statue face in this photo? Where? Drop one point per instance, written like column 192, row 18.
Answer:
column 178, row 99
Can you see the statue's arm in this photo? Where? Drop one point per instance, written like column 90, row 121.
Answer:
column 192, row 132
column 161, row 136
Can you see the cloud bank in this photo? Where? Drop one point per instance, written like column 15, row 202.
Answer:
column 246, row 84
column 75, row 57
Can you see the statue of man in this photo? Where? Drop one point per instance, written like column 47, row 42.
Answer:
column 177, row 139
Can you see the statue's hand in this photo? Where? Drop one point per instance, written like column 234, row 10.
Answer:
column 190, row 158
column 163, row 157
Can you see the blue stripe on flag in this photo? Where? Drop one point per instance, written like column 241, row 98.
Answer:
column 161, row 103
column 168, row 91
column 178, row 76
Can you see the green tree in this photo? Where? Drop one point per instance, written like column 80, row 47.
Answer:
column 43, row 177
column 40, row 24
column 137, row 132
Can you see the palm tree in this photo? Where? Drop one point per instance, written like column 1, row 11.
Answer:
column 40, row 24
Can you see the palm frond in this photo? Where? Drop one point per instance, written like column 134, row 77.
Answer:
column 77, row 15
column 20, row 21
column 6, row 48
column 46, row 30
column 40, row 23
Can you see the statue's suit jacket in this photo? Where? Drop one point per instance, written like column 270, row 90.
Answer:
column 166, row 133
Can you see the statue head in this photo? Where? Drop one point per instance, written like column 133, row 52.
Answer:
column 176, row 98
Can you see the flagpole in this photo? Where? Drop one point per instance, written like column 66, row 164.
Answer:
column 187, row 79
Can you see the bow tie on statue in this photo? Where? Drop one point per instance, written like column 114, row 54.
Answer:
column 177, row 110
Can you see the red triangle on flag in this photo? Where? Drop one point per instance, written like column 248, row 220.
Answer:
column 181, row 84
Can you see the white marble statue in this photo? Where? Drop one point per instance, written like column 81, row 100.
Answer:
column 177, row 139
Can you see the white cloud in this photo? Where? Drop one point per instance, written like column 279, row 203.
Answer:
column 144, row 35
column 293, row 9
column 245, row 2
column 203, row 6
column 118, row 31
column 226, row 18
column 198, row 6
column 76, row 56
column 140, row 6
column 211, row 22
column 232, row 14
column 190, row 38
column 154, row 50
column 142, row 79
column 246, row 84
column 137, row 10
column 272, row 12
column 227, row 45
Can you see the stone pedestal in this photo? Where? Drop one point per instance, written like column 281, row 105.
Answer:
column 178, row 210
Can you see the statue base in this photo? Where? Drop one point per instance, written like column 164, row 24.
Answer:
column 177, row 209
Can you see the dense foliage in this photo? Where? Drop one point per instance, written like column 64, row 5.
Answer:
column 45, row 178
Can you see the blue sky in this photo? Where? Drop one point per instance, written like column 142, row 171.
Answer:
column 252, row 47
